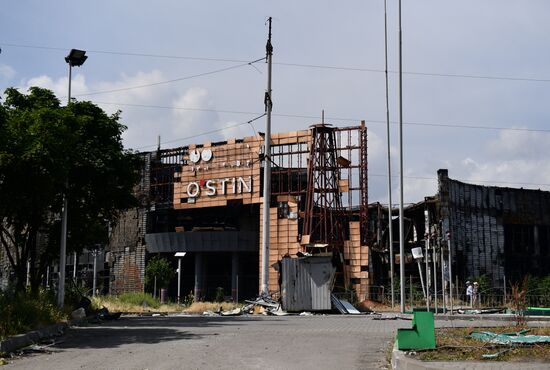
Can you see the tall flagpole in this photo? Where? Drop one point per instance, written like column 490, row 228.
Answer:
column 401, row 213
column 390, row 226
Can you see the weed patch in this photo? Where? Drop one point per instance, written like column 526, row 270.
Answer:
column 454, row 344
column 20, row 313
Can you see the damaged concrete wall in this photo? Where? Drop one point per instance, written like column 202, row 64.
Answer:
column 495, row 231
column 127, row 242
column 127, row 253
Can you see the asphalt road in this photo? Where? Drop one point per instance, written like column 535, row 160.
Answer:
column 243, row 342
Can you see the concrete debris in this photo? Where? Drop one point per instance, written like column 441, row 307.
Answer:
column 235, row 312
column 210, row 313
column 78, row 314
column 269, row 305
column 481, row 311
column 305, row 313
column 104, row 314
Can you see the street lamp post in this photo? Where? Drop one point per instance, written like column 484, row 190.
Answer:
column 95, row 253
column 179, row 255
column 75, row 58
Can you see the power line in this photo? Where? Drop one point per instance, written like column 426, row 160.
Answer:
column 169, row 81
column 443, row 125
column 288, row 64
column 207, row 132
column 465, row 181
column 148, row 55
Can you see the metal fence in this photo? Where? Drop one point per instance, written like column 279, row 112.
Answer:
column 489, row 298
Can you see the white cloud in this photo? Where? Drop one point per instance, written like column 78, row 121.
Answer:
column 513, row 145
column 60, row 86
column 6, row 72
column 513, row 159
column 189, row 122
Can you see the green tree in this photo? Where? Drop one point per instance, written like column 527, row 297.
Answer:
column 160, row 268
column 46, row 151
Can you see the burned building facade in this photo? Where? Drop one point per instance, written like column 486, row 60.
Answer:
column 206, row 200
column 497, row 232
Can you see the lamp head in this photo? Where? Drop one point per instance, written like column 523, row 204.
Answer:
column 76, row 57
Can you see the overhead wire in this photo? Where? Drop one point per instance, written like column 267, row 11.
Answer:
column 466, row 181
column 169, row 81
column 431, row 124
column 288, row 64
column 243, row 63
column 249, row 122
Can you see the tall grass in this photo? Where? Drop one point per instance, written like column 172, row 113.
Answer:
column 20, row 312
column 130, row 302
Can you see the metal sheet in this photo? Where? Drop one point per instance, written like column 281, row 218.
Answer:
column 306, row 283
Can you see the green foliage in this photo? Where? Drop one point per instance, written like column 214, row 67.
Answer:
column 48, row 150
column 160, row 268
column 22, row 312
column 220, row 294
column 139, row 299
column 188, row 299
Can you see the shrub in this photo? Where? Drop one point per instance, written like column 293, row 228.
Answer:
column 21, row 312
column 158, row 268
column 139, row 299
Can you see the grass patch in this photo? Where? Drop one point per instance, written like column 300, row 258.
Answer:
column 134, row 303
column 200, row 307
column 454, row 344
column 20, row 313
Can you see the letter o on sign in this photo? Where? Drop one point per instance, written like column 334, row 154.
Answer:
column 193, row 189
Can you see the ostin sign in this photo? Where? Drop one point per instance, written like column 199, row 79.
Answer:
column 235, row 185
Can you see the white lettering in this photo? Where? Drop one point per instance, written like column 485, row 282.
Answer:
column 243, row 186
column 223, row 181
column 193, row 193
column 211, row 186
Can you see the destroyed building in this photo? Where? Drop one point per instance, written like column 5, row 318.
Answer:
column 497, row 232
column 206, row 200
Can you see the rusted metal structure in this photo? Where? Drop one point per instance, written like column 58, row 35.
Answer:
column 205, row 199
column 324, row 217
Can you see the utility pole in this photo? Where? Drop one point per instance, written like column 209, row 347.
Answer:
column 450, row 272
column 401, row 212
column 95, row 252
column 390, row 226
column 75, row 59
column 267, row 170
column 427, row 257
column 434, row 259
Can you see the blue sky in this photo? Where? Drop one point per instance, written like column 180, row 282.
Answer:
column 474, row 71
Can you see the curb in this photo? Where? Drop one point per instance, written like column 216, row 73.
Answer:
column 11, row 344
column 490, row 317
column 400, row 361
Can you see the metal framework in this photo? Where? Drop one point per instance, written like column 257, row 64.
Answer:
column 329, row 170
column 324, row 216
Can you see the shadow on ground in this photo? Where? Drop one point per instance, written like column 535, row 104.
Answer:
column 146, row 330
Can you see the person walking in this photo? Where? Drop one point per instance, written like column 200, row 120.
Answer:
column 475, row 292
column 469, row 293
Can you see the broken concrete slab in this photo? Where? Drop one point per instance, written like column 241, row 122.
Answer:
column 15, row 342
